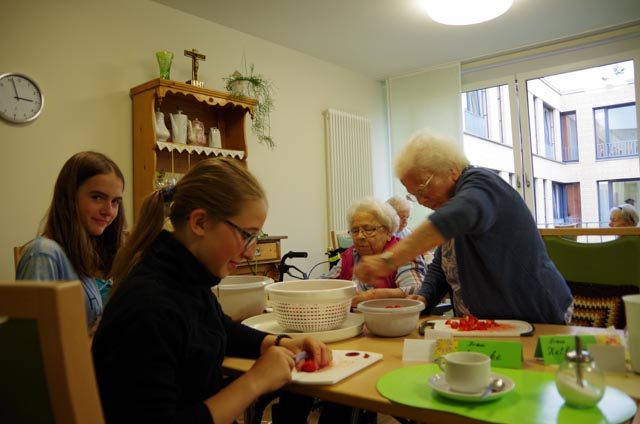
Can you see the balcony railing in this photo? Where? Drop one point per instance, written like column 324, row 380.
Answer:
column 617, row 149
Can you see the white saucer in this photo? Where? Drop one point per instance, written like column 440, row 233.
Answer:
column 439, row 385
column 352, row 327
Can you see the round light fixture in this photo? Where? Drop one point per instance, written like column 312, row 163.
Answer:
column 465, row 12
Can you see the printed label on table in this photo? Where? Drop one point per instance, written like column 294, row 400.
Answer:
column 552, row 349
column 502, row 354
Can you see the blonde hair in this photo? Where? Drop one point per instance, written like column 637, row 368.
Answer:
column 427, row 153
column 627, row 212
column 384, row 212
column 220, row 186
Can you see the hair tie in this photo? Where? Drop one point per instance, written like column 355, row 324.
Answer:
column 167, row 193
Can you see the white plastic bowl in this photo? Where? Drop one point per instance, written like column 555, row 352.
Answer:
column 391, row 322
column 242, row 296
column 311, row 305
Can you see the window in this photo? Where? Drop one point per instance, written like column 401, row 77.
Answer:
column 616, row 192
column 615, row 131
column 475, row 113
column 549, row 141
column 566, row 203
column 569, row 136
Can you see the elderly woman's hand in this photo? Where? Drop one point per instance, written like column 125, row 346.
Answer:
column 372, row 269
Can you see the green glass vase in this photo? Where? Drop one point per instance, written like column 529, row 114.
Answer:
column 164, row 62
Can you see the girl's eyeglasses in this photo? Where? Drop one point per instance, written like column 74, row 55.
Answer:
column 249, row 238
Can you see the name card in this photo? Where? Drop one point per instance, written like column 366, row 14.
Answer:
column 502, row 354
column 552, row 349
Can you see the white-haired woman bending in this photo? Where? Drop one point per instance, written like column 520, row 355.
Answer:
column 624, row 215
column 372, row 226
column 490, row 256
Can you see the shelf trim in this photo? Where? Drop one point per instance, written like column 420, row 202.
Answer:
column 190, row 148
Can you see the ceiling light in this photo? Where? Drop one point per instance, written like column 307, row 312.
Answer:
column 465, row 12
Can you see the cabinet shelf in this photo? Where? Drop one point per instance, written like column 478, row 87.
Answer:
column 191, row 149
column 213, row 108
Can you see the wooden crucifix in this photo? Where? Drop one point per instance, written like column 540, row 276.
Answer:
column 195, row 56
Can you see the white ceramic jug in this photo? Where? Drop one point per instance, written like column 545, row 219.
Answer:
column 195, row 133
column 162, row 133
column 179, row 127
column 214, row 138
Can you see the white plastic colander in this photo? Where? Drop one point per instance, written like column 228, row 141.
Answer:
column 311, row 305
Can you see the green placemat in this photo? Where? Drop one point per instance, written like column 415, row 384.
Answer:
column 535, row 399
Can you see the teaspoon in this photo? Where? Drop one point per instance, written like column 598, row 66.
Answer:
column 495, row 385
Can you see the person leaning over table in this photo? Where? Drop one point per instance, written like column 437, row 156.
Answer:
column 372, row 226
column 403, row 208
column 159, row 348
column 624, row 215
column 83, row 230
column 490, row 254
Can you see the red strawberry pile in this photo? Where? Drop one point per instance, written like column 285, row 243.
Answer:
column 471, row 323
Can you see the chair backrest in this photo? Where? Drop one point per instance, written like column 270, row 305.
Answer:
column 341, row 239
column 599, row 274
column 45, row 362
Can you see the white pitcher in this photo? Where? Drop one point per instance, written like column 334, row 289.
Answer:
column 179, row 127
column 214, row 138
column 162, row 133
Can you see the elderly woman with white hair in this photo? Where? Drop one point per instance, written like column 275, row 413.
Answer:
column 490, row 255
column 403, row 208
column 624, row 215
column 372, row 226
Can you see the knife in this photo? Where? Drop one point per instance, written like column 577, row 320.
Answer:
column 300, row 356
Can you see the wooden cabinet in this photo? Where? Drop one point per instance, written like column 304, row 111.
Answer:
column 213, row 108
column 268, row 255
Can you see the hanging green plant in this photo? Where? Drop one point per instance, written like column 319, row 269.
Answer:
column 256, row 86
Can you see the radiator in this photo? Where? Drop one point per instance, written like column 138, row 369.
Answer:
column 349, row 164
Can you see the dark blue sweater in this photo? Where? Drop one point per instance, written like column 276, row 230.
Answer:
column 159, row 347
column 503, row 267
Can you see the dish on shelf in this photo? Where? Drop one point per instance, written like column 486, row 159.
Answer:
column 352, row 327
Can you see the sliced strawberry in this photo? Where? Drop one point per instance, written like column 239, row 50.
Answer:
column 309, row 366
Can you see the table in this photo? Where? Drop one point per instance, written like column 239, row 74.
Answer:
column 360, row 391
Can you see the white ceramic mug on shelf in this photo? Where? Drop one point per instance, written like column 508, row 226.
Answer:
column 214, row 138
column 465, row 372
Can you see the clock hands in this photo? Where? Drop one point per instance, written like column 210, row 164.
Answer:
column 15, row 89
column 22, row 98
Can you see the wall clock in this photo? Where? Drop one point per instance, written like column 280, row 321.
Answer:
column 21, row 99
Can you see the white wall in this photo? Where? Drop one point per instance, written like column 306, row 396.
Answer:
column 86, row 55
column 425, row 100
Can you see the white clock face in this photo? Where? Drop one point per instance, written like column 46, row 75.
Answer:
column 20, row 98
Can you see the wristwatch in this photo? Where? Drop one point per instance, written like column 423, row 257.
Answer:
column 387, row 257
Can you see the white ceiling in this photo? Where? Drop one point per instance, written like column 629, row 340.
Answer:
column 383, row 38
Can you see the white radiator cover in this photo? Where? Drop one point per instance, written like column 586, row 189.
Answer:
column 349, row 163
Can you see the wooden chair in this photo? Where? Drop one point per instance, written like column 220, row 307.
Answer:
column 341, row 239
column 45, row 362
column 599, row 274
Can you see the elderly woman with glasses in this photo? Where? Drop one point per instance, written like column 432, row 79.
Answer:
column 403, row 207
column 490, row 255
column 623, row 216
column 372, row 227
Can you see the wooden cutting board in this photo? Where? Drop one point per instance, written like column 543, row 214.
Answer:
column 342, row 367
column 507, row 328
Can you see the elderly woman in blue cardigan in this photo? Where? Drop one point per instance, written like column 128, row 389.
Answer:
column 489, row 255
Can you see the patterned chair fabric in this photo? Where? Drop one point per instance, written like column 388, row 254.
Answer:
column 598, row 274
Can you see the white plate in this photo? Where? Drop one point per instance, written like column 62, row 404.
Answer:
column 352, row 327
column 439, row 385
column 344, row 364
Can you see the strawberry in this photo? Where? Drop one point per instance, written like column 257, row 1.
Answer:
column 309, row 366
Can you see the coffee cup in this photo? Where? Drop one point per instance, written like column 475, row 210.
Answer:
column 465, row 372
